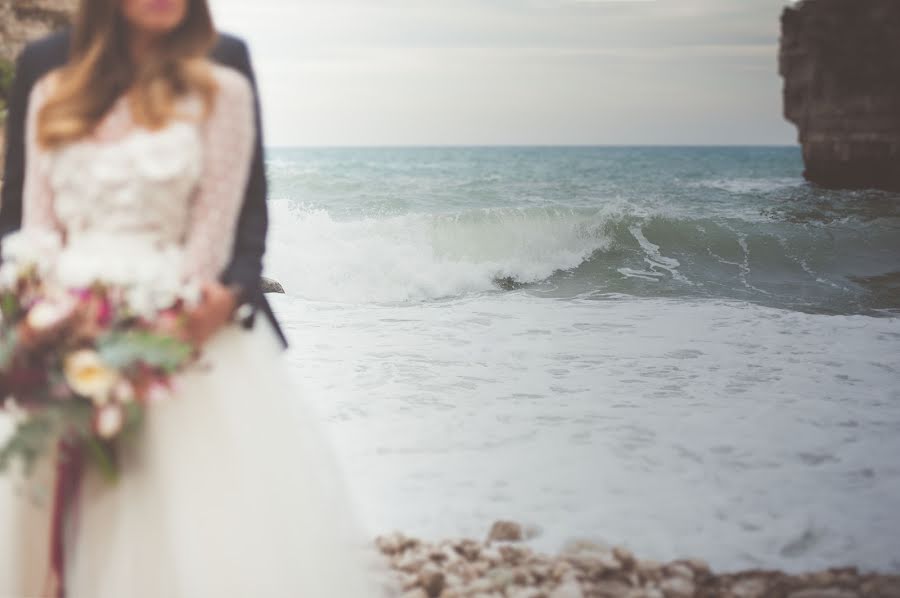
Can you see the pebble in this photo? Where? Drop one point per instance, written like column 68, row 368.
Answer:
column 506, row 531
column 468, row 568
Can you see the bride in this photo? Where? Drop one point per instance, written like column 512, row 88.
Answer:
column 230, row 490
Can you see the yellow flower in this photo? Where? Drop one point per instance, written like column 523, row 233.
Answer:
column 88, row 376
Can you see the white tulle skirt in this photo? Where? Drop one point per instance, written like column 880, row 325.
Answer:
column 231, row 490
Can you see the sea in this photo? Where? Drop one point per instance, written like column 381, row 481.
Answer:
column 686, row 351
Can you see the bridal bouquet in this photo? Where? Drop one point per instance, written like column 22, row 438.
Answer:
column 80, row 365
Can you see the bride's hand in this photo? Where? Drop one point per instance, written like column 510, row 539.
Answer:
column 214, row 311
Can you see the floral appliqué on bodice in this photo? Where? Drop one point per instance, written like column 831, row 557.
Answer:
column 141, row 205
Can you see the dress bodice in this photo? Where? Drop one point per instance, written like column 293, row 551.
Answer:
column 140, row 207
column 138, row 185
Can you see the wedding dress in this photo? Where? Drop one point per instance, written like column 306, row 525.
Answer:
column 230, row 489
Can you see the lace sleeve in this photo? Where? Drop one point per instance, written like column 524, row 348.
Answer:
column 37, row 195
column 228, row 136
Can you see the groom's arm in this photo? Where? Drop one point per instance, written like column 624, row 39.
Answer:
column 245, row 267
column 35, row 60
column 14, row 165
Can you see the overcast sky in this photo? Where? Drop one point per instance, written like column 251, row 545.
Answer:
column 451, row 72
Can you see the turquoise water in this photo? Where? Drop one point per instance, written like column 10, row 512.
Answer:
column 737, row 223
column 689, row 351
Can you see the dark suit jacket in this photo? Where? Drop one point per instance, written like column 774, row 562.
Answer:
column 245, row 266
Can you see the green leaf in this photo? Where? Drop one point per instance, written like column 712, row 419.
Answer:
column 103, row 457
column 32, row 439
column 37, row 435
column 9, row 306
column 123, row 349
column 9, row 340
column 7, row 73
column 134, row 416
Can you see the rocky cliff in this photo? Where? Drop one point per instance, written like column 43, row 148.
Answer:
column 840, row 60
column 23, row 20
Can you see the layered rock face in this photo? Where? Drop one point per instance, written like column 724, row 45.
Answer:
column 24, row 20
column 840, row 60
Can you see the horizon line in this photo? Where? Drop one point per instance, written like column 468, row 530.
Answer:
column 534, row 145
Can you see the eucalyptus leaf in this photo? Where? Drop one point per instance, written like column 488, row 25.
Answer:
column 32, row 438
column 9, row 306
column 123, row 349
column 103, row 456
column 9, row 340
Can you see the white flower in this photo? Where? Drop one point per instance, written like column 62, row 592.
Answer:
column 37, row 247
column 108, row 420
column 9, row 275
column 81, row 269
column 48, row 314
column 14, row 411
column 140, row 301
column 88, row 376
column 191, row 294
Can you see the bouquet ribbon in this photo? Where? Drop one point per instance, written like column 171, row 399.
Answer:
column 69, row 467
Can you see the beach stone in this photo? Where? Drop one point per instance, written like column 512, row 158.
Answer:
column 595, row 563
column 408, row 581
column 432, row 581
column 750, row 587
column 469, row 569
column 540, row 571
column 650, row 569
column 580, row 545
column 613, row 589
column 439, row 555
column 481, row 585
column 468, row 549
column 849, row 575
column 270, row 285
column 561, row 570
column 506, row 531
column 395, row 543
column 522, row 576
column 699, row 566
column 515, row 555
column 501, row 577
column 822, row 578
column 409, row 561
column 569, row 589
column 881, row 587
column 677, row 587
column 823, row 593
column 680, row 570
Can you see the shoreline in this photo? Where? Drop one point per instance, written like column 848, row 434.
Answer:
column 501, row 567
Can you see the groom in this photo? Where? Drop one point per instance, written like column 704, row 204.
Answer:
column 238, row 292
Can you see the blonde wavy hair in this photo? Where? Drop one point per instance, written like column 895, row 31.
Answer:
column 100, row 70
